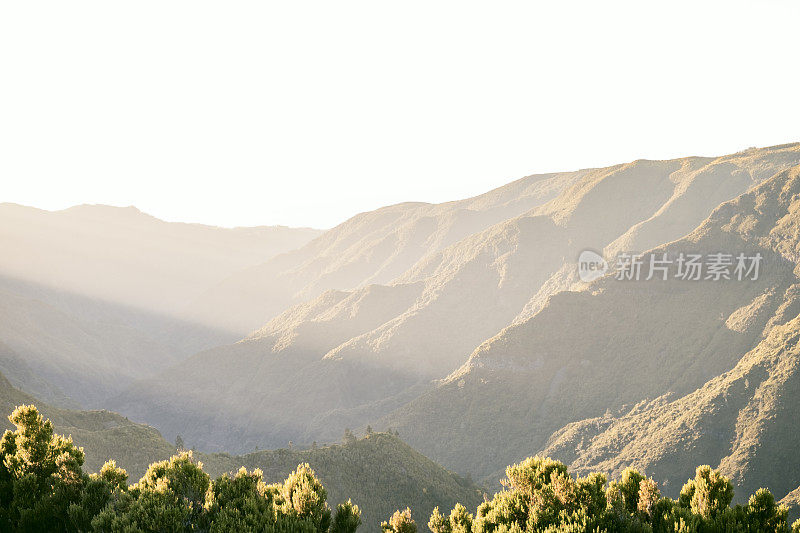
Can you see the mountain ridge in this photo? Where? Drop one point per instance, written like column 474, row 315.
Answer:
column 634, row 341
column 460, row 296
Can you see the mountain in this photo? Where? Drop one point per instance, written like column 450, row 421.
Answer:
column 377, row 352
column 370, row 248
column 68, row 358
column 123, row 256
column 654, row 373
column 792, row 501
column 741, row 422
column 93, row 297
column 20, row 375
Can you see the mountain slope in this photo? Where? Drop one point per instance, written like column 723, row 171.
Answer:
column 792, row 501
column 70, row 360
column 742, row 422
column 360, row 354
column 370, row 248
column 124, row 256
column 21, row 376
column 615, row 344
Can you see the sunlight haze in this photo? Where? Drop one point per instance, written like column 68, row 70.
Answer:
column 304, row 114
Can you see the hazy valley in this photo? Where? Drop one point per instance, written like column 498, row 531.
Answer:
column 463, row 326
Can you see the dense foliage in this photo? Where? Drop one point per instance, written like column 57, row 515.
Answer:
column 43, row 488
column 378, row 471
column 540, row 495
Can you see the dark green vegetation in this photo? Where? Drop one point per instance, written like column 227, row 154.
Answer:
column 43, row 488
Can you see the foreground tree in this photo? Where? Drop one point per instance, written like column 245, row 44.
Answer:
column 170, row 496
column 40, row 474
column 43, row 488
column 176, row 495
column 459, row 521
column 400, row 522
column 347, row 518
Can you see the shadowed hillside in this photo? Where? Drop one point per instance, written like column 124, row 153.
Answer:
column 743, row 422
column 792, row 501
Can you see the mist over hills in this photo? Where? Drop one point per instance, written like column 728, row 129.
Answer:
column 95, row 296
column 121, row 255
column 616, row 346
column 479, row 351
column 464, row 325
column 370, row 248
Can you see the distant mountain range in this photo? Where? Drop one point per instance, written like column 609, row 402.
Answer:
column 94, row 296
column 464, row 325
column 375, row 247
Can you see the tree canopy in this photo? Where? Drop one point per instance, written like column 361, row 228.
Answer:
column 43, row 488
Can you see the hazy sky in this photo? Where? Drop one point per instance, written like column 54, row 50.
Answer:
column 304, row 113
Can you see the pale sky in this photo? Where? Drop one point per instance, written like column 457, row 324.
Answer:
column 305, row 113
